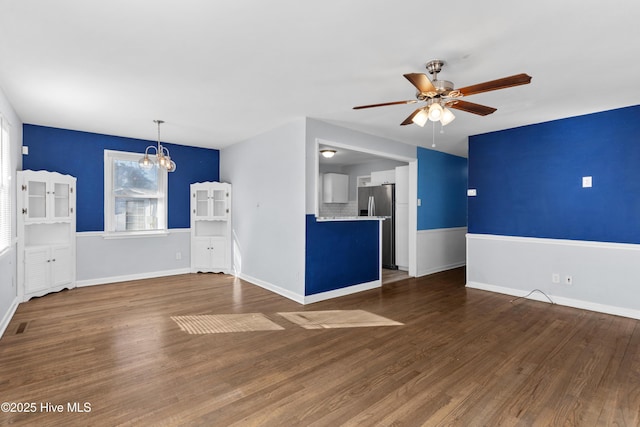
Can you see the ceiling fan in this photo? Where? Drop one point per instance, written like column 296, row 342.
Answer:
column 440, row 96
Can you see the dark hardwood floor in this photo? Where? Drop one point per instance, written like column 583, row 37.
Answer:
column 464, row 357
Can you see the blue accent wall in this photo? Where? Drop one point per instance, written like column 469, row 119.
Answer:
column 529, row 179
column 442, row 189
column 81, row 154
column 340, row 254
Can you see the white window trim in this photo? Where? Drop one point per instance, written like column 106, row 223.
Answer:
column 109, row 221
column 5, row 186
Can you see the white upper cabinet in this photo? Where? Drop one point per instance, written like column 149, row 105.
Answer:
column 335, row 188
column 48, row 197
column 210, row 202
column 383, row 177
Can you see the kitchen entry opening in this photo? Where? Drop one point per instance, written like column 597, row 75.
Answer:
column 355, row 184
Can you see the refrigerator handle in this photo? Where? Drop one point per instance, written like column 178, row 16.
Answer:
column 372, row 206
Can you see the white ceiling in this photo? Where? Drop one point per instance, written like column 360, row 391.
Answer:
column 219, row 72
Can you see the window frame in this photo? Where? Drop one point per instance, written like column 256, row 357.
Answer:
column 110, row 198
column 6, row 206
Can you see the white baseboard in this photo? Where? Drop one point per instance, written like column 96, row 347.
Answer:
column 569, row 302
column 8, row 316
column 309, row 299
column 273, row 288
column 440, row 268
column 126, row 278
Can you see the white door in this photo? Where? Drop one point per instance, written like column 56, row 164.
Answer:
column 37, row 266
column 201, row 252
column 61, row 273
column 219, row 252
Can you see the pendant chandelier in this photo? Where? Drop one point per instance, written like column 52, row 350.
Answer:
column 162, row 155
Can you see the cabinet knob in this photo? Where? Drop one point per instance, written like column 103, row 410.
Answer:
column 53, row 260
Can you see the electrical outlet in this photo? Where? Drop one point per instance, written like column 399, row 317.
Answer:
column 178, row 255
column 555, row 278
column 568, row 280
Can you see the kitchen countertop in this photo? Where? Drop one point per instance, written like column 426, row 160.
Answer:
column 351, row 218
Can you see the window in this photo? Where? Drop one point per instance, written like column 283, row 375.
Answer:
column 135, row 199
column 5, row 185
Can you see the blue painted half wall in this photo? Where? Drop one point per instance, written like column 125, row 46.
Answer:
column 340, row 254
column 529, row 179
column 81, row 154
column 442, row 190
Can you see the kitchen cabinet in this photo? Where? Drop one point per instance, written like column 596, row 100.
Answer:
column 383, row 177
column 335, row 188
column 46, row 228
column 211, row 227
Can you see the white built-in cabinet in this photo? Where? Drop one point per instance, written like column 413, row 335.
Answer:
column 383, row 177
column 46, row 222
column 211, row 227
column 335, row 188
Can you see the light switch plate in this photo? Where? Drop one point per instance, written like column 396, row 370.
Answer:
column 25, row 150
column 472, row 192
column 587, row 182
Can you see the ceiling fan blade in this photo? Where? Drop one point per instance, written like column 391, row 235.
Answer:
column 411, row 101
column 409, row 120
column 421, row 82
column 515, row 80
column 470, row 107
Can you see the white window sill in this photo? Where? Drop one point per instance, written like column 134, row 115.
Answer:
column 135, row 234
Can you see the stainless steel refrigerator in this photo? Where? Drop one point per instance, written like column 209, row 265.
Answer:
column 380, row 200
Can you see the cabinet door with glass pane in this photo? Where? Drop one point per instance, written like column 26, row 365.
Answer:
column 210, row 200
column 47, row 197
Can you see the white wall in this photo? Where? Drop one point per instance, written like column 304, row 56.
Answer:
column 8, row 290
column 101, row 260
column 267, row 174
column 604, row 275
column 440, row 249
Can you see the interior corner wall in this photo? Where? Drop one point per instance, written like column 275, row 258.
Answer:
column 100, row 260
column 532, row 225
column 8, row 289
column 442, row 213
column 267, row 176
column 442, row 190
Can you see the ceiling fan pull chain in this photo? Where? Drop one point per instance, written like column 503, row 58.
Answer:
column 433, row 134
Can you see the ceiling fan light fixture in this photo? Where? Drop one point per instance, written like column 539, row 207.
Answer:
column 327, row 153
column 447, row 116
column 421, row 117
column 435, row 112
